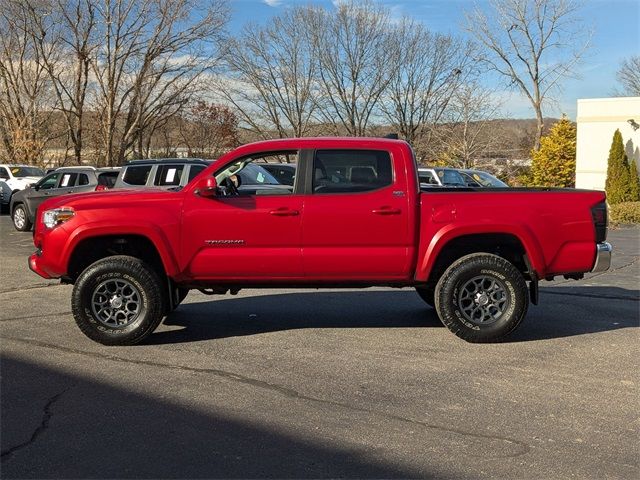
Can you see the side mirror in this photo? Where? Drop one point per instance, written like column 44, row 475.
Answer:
column 207, row 187
column 35, row 186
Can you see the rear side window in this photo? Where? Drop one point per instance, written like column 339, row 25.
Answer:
column 194, row 171
column 136, row 175
column 83, row 179
column 351, row 171
column 168, row 175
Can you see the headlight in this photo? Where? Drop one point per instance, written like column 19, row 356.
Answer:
column 52, row 218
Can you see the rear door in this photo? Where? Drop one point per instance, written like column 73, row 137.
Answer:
column 356, row 223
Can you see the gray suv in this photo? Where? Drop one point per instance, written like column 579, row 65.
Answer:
column 62, row 181
column 161, row 173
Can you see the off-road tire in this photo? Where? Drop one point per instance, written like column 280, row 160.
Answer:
column 463, row 272
column 138, row 274
column 427, row 294
column 25, row 224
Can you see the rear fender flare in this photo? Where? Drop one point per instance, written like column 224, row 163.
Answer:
column 451, row 232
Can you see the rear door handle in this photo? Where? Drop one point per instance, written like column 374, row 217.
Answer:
column 284, row 212
column 386, row 211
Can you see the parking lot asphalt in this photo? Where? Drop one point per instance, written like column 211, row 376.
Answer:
column 322, row 384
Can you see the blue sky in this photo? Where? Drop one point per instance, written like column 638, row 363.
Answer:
column 615, row 25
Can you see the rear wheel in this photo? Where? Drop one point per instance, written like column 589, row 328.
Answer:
column 118, row 300
column 481, row 298
column 20, row 218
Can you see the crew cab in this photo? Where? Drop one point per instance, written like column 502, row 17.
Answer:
column 355, row 217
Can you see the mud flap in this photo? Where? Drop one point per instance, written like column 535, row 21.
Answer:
column 533, row 291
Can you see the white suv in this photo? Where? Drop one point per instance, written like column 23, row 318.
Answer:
column 14, row 178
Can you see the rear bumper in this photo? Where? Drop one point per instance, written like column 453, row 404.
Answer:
column 603, row 257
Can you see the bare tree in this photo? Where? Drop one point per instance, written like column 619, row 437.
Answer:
column 533, row 44
column 628, row 76
column 209, row 130
column 467, row 134
column 63, row 33
column 426, row 70
column 351, row 47
column 272, row 75
column 153, row 55
column 25, row 105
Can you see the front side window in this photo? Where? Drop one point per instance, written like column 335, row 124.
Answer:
column 49, row 181
column 247, row 176
column 4, row 175
column 351, row 171
column 136, row 175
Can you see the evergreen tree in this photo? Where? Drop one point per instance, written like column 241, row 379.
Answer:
column 619, row 176
column 554, row 165
column 634, row 181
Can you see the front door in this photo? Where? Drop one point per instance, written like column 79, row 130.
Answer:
column 244, row 233
column 356, row 219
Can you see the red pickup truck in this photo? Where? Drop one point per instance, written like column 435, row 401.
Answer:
column 355, row 217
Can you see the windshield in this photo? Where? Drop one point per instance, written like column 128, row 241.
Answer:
column 26, row 172
column 485, row 179
column 450, row 177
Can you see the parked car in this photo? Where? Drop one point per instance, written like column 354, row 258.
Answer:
column 440, row 177
column 478, row 178
column 284, row 173
column 477, row 256
column 160, row 173
column 14, row 178
column 61, row 181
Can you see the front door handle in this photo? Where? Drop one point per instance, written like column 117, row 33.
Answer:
column 284, row 212
column 386, row 211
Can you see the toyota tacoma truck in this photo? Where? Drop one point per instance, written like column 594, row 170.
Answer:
column 355, row 217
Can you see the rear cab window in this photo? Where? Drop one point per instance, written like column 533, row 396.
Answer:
column 351, row 171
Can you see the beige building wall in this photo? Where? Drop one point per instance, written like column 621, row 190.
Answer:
column 598, row 119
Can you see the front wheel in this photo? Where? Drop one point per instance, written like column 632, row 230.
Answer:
column 481, row 298
column 20, row 218
column 118, row 300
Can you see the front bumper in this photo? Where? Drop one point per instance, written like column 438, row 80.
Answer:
column 603, row 257
column 36, row 268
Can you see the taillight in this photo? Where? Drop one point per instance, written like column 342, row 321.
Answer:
column 600, row 218
column 99, row 188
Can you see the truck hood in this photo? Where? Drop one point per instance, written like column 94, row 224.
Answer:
column 110, row 199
